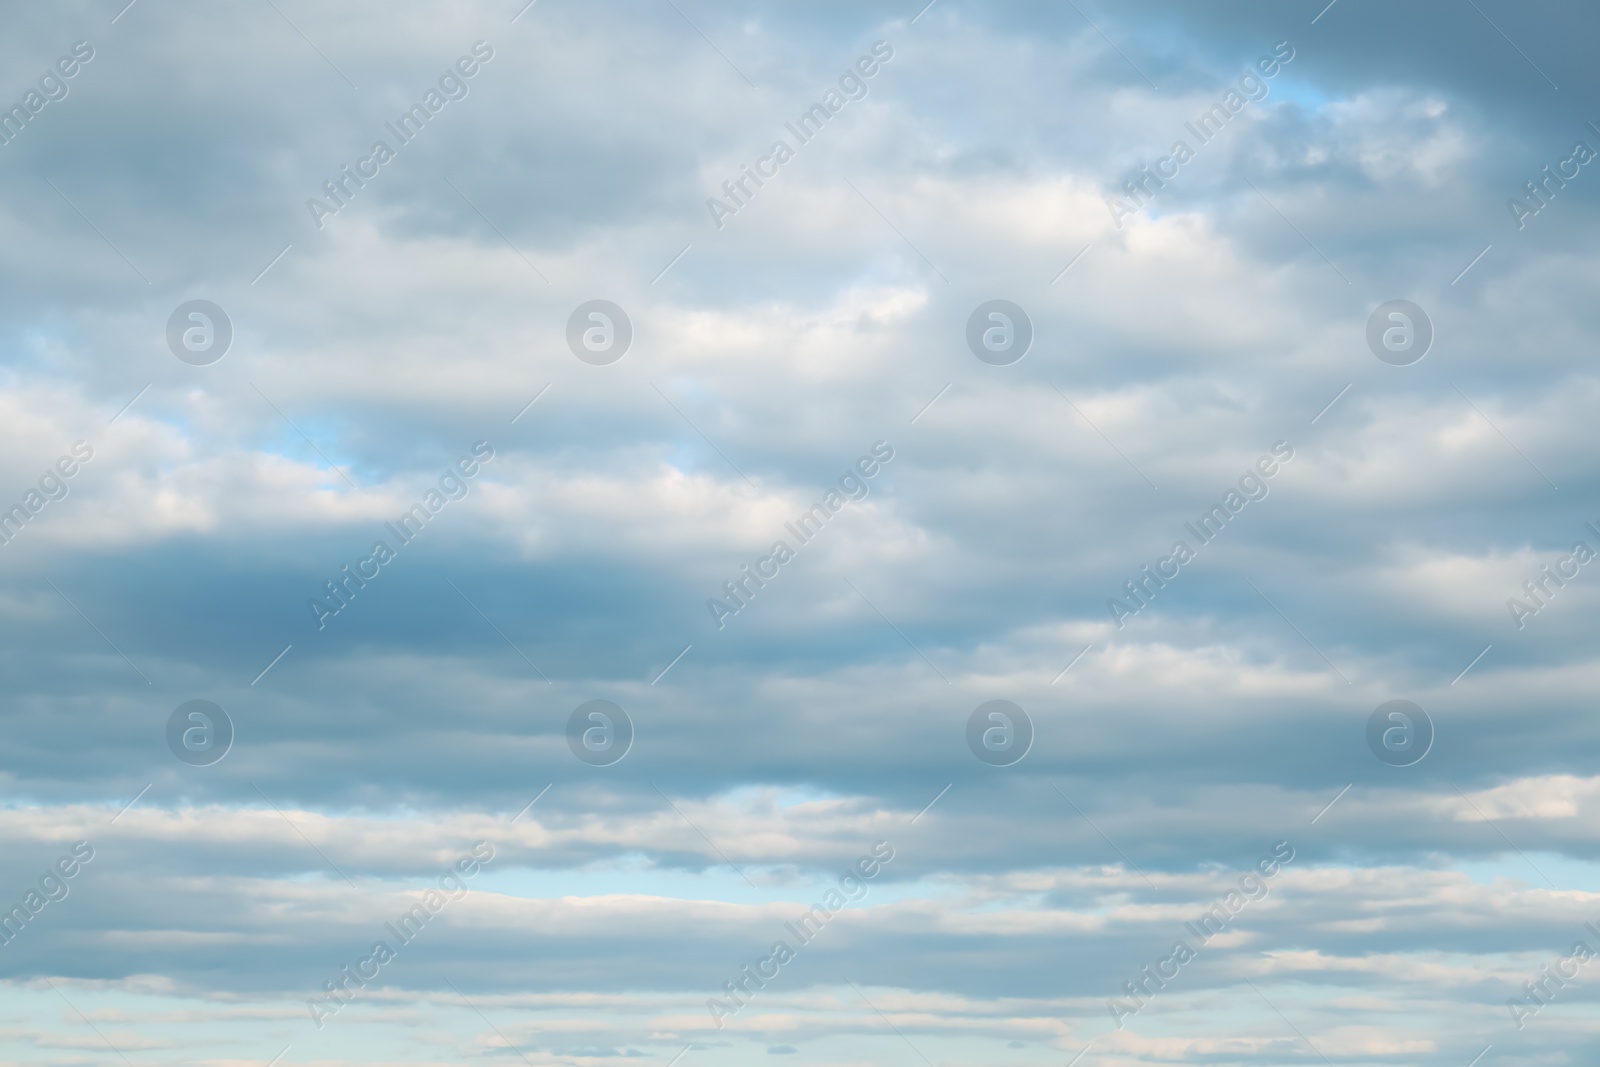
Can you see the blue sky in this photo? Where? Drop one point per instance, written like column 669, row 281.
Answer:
column 426, row 322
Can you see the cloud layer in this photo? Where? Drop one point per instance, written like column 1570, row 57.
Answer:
column 1190, row 712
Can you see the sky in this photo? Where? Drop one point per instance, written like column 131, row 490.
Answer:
column 674, row 532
